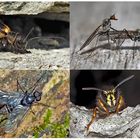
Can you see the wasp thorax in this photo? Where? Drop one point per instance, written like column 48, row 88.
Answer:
column 110, row 98
column 106, row 25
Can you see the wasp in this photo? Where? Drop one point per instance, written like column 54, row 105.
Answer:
column 108, row 101
column 12, row 41
column 102, row 29
column 17, row 104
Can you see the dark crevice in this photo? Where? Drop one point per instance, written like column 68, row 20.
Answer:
column 42, row 27
column 99, row 79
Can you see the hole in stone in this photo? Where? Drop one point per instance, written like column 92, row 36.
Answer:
column 43, row 28
column 99, row 78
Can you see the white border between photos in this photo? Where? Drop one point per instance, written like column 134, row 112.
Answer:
column 70, row 0
column 67, row 138
column 67, row 1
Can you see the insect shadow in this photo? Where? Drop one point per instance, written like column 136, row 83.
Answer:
column 17, row 104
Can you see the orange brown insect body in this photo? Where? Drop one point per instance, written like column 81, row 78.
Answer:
column 11, row 41
column 107, row 101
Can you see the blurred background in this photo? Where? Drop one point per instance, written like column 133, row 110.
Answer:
column 98, row 78
column 87, row 16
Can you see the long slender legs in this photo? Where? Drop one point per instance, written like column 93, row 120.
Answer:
column 120, row 104
column 93, row 117
column 103, row 106
column 95, row 112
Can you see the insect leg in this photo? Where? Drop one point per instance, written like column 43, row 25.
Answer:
column 42, row 104
column 108, row 37
column 93, row 117
column 6, row 107
column 32, row 111
column 2, row 106
column 19, row 87
column 135, row 39
column 103, row 106
column 14, row 40
column 120, row 104
column 113, row 29
column 3, row 120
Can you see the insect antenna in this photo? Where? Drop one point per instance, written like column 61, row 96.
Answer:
column 28, row 34
column 19, row 86
column 92, row 88
column 123, row 81
column 46, row 105
column 36, row 84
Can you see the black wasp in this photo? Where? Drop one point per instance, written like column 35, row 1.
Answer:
column 17, row 104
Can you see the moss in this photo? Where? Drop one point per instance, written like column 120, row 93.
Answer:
column 52, row 129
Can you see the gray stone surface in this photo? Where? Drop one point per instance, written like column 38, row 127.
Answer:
column 38, row 59
column 31, row 8
column 51, row 10
column 125, row 124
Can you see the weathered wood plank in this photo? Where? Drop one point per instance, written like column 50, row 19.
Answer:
column 106, row 56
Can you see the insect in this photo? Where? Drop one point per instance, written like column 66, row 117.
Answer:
column 124, row 34
column 12, row 41
column 102, row 29
column 108, row 101
column 120, row 36
column 17, row 104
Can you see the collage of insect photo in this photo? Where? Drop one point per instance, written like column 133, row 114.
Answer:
column 69, row 69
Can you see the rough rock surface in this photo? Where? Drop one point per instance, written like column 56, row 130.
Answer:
column 125, row 124
column 38, row 59
column 33, row 8
column 53, row 10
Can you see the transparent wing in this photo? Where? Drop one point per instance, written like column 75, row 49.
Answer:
column 15, row 118
column 9, row 99
column 4, row 97
column 90, row 38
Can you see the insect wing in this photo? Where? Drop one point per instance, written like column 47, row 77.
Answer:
column 15, row 118
column 90, row 38
column 4, row 28
column 4, row 97
column 8, row 98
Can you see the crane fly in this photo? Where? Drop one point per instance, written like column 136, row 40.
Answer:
column 103, row 29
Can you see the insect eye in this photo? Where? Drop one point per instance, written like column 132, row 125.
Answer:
column 37, row 95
